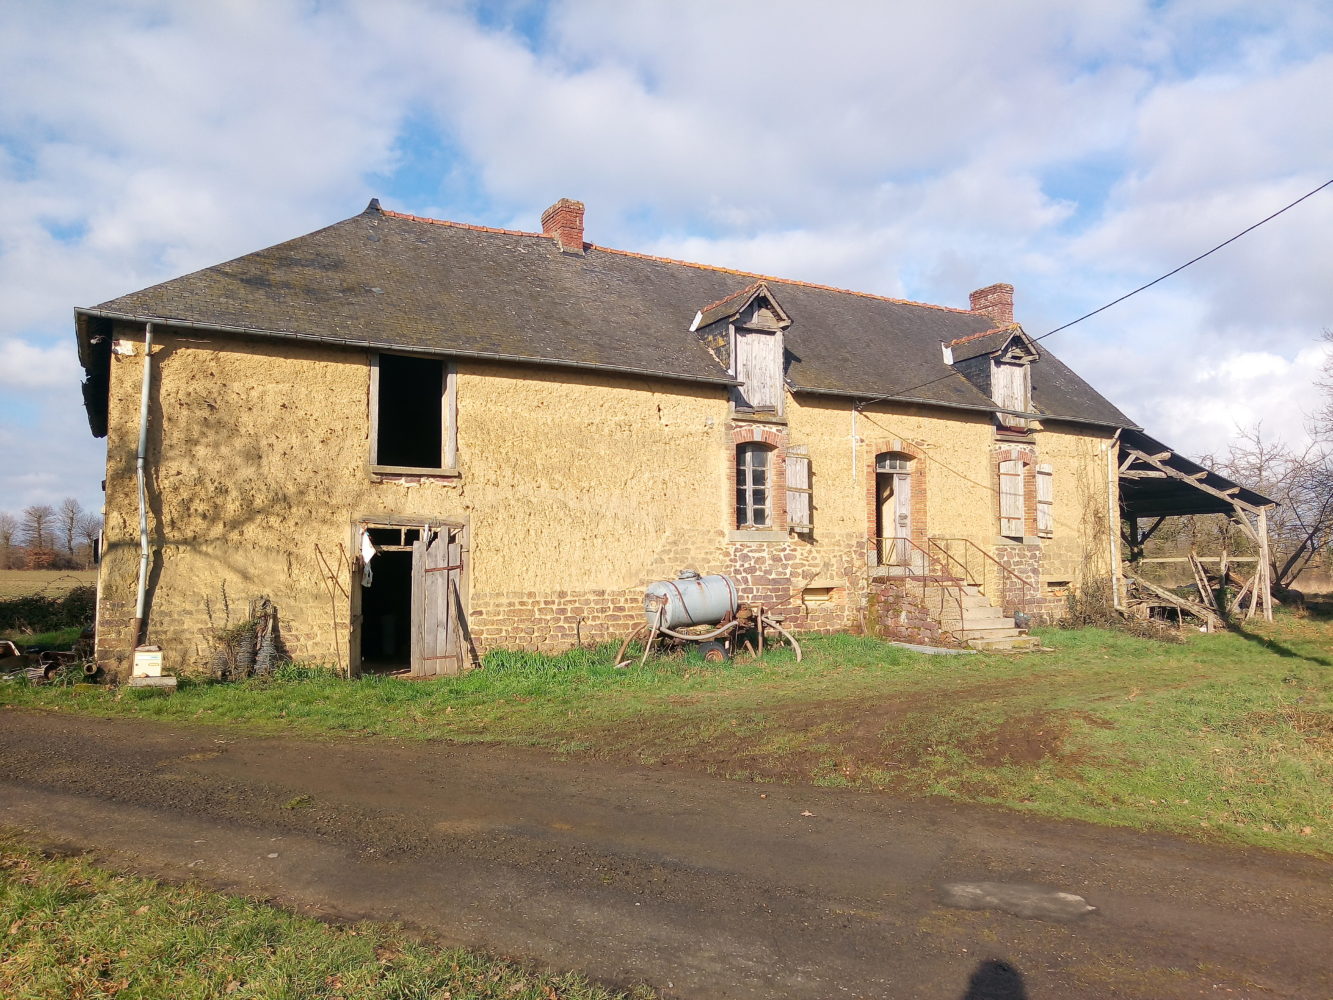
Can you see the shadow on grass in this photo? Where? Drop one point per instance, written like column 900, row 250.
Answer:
column 1272, row 645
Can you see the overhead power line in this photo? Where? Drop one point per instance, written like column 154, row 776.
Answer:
column 1113, row 302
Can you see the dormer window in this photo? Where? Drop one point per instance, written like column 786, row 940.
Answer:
column 746, row 332
column 999, row 363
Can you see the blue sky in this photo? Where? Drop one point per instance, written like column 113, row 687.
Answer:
column 1075, row 150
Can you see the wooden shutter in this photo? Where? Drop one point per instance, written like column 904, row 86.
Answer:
column 1045, row 498
column 1011, row 499
column 759, row 369
column 1009, row 389
column 799, row 495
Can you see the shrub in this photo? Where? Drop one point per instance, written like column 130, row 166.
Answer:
column 41, row 613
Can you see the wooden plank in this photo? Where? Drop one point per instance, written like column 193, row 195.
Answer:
column 460, row 616
column 1198, row 610
column 451, row 646
column 1201, row 581
column 418, row 606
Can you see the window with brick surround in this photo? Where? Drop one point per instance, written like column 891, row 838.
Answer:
column 754, row 469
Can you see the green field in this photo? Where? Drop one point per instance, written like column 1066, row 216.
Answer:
column 51, row 582
column 1225, row 737
column 71, row 929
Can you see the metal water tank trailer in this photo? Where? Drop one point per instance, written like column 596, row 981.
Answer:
column 690, row 599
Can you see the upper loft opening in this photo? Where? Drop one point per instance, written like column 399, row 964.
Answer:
column 409, row 426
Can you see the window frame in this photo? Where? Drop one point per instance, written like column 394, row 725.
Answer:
column 448, row 419
column 746, row 488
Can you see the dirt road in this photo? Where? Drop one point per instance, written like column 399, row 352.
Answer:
column 697, row 886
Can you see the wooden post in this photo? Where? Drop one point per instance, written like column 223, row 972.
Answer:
column 1267, row 570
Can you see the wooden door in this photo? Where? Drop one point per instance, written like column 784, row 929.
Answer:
column 902, row 510
column 437, row 566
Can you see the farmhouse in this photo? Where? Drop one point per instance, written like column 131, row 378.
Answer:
column 423, row 439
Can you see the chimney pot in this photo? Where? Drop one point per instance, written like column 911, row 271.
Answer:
column 995, row 301
column 564, row 221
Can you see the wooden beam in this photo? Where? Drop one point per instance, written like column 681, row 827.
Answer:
column 1143, row 539
column 1197, row 484
column 1142, row 474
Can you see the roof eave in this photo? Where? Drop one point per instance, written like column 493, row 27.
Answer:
column 381, row 345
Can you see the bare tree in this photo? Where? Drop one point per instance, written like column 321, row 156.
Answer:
column 1323, row 420
column 90, row 529
column 36, row 526
column 67, row 521
column 9, row 527
column 1301, row 481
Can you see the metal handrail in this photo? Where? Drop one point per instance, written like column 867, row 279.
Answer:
column 952, row 585
column 973, row 546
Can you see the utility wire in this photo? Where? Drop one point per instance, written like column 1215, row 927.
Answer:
column 1113, row 302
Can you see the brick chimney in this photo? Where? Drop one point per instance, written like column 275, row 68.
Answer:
column 995, row 301
column 564, row 221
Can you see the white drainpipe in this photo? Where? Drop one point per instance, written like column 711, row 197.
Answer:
column 141, row 599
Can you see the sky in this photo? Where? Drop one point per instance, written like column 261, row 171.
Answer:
column 908, row 149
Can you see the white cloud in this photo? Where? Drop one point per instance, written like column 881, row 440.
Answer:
column 28, row 366
column 1076, row 150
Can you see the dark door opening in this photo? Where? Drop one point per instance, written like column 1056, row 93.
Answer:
column 386, row 614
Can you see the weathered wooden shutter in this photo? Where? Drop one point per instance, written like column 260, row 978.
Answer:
column 1009, row 389
column 799, row 495
column 435, row 563
column 1045, row 498
column 1011, row 499
column 759, row 368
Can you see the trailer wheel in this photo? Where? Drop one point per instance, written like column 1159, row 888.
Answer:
column 714, row 652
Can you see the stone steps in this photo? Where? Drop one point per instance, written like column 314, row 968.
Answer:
column 981, row 626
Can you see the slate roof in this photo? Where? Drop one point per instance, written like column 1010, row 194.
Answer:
column 389, row 280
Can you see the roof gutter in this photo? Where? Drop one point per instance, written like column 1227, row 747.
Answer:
column 382, row 345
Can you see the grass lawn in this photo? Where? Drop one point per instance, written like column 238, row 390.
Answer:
column 73, row 930
column 1226, row 737
column 51, row 582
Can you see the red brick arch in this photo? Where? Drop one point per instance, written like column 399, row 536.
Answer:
column 919, row 493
